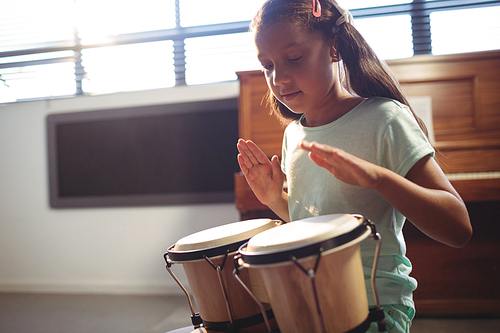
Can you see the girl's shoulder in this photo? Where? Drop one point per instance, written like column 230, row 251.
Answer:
column 384, row 103
column 384, row 108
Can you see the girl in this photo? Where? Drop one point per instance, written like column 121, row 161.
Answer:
column 352, row 144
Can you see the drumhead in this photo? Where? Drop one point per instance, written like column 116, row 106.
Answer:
column 218, row 240
column 305, row 237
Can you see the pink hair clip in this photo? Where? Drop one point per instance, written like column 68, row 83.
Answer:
column 316, row 8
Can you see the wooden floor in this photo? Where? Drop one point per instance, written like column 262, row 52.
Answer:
column 46, row 313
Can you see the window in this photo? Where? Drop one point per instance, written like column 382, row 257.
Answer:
column 396, row 43
column 476, row 29
column 97, row 20
column 217, row 58
column 128, row 67
column 203, row 12
column 67, row 47
column 51, row 48
column 42, row 78
column 356, row 4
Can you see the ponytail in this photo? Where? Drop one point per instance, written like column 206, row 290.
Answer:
column 365, row 75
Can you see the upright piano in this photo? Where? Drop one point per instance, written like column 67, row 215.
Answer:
column 464, row 90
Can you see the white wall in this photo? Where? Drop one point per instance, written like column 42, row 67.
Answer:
column 104, row 250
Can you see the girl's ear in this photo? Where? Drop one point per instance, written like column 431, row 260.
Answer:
column 333, row 50
column 334, row 54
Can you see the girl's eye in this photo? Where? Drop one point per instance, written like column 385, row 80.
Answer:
column 267, row 67
column 295, row 59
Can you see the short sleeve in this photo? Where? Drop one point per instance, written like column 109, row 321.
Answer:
column 403, row 143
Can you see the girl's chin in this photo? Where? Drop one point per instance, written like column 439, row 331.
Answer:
column 291, row 108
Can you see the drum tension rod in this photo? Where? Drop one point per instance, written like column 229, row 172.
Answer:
column 376, row 314
column 311, row 273
column 213, row 265
column 195, row 317
column 218, row 269
column 236, row 274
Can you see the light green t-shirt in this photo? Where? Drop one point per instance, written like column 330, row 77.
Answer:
column 381, row 131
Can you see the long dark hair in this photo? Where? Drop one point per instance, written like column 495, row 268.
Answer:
column 362, row 72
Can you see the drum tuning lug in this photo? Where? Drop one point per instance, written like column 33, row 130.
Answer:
column 231, row 328
column 279, row 222
column 196, row 320
column 167, row 260
column 237, row 266
column 377, row 315
column 371, row 225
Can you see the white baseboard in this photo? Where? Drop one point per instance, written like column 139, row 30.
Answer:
column 90, row 288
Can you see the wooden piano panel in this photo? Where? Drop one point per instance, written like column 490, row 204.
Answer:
column 452, row 104
column 490, row 102
column 458, row 281
column 477, row 159
column 478, row 190
column 255, row 122
column 465, row 91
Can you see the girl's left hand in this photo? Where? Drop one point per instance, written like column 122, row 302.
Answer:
column 344, row 166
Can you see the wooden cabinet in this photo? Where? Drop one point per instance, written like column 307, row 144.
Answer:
column 465, row 93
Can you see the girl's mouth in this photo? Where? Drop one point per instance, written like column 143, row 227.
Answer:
column 290, row 97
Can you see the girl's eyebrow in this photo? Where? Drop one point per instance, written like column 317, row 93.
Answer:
column 286, row 47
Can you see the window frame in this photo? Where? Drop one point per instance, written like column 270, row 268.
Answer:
column 419, row 10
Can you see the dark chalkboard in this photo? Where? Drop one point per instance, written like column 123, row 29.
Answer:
column 152, row 155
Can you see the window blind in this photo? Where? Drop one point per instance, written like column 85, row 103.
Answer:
column 69, row 47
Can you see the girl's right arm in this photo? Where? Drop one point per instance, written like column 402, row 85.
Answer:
column 264, row 177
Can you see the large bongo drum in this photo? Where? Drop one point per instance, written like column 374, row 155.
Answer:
column 207, row 258
column 312, row 272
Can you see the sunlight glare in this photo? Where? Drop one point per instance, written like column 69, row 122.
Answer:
column 98, row 19
column 452, row 32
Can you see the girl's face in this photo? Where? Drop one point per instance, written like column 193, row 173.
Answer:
column 298, row 66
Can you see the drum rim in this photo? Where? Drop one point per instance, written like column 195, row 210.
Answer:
column 209, row 252
column 299, row 252
column 221, row 249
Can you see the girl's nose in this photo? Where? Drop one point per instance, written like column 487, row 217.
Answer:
column 280, row 76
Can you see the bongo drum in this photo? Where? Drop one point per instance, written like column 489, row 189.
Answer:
column 312, row 272
column 224, row 305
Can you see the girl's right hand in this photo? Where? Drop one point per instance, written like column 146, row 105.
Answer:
column 264, row 176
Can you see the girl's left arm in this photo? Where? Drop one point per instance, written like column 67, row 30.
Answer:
column 424, row 196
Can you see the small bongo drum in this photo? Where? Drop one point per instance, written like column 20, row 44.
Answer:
column 312, row 272
column 224, row 305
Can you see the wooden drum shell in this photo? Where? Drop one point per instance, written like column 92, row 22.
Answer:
column 341, row 288
column 207, row 259
column 209, row 297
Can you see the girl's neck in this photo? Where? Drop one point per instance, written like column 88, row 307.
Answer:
column 338, row 106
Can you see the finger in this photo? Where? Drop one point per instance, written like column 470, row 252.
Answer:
column 306, row 145
column 243, row 166
column 275, row 161
column 257, row 153
column 320, row 161
column 317, row 148
column 246, row 153
column 331, row 154
column 241, row 145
